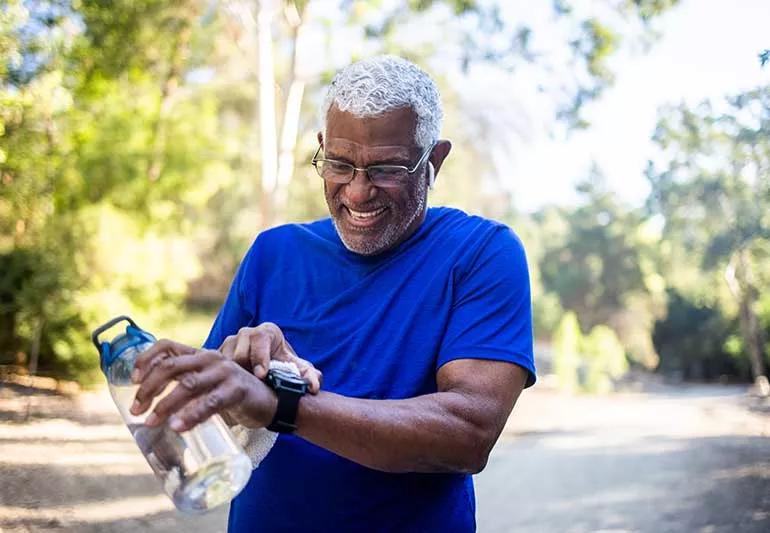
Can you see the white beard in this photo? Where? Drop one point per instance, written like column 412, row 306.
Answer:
column 392, row 233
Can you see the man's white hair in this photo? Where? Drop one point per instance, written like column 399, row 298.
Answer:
column 379, row 84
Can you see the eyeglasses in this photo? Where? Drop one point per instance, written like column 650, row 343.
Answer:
column 380, row 175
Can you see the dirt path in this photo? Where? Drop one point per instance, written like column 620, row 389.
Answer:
column 692, row 459
column 695, row 459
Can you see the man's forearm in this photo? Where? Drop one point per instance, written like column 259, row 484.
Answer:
column 441, row 432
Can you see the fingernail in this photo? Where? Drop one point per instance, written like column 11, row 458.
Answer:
column 151, row 420
column 135, row 406
column 135, row 376
column 176, row 423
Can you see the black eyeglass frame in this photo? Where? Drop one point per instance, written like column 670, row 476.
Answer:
column 378, row 182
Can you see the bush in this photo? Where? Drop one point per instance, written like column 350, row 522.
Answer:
column 695, row 342
column 589, row 363
column 605, row 359
column 566, row 352
column 96, row 264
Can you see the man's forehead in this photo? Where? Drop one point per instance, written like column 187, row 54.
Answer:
column 346, row 146
column 389, row 132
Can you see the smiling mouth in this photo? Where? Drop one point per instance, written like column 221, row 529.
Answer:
column 365, row 218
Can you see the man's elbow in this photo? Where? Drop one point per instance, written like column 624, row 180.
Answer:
column 478, row 449
column 466, row 455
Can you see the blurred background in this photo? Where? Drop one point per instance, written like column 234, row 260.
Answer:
column 143, row 145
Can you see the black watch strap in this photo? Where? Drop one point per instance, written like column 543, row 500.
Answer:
column 286, row 412
column 289, row 390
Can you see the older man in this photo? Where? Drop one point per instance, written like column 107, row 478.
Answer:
column 419, row 319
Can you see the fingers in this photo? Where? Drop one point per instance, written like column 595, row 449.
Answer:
column 160, row 350
column 316, row 380
column 282, row 350
column 261, row 352
column 288, row 347
column 223, row 396
column 228, row 346
column 163, row 370
column 273, row 346
column 309, row 373
column 242, row 347
column 254, row 347
column 190, row 385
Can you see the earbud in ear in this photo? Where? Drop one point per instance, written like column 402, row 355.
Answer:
column 431, row 174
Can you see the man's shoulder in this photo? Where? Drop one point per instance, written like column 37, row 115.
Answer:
column 290, row 233
column 273, row 246
column 457, row 225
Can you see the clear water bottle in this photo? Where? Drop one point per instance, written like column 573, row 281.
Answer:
column 200, row 468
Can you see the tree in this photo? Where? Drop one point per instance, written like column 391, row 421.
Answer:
column 587, row 363
column 604, row 268
column 82, row 126
column 710, row 182
column 693, row 339
column 567, row 341
column 277, row 33
column 130, row 137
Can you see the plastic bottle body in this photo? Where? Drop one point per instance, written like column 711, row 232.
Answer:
column 200, row 468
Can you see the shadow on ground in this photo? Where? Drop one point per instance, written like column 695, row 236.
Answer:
column 574, row 483
column 170, row 521
column 676, row 460
column 24, row 405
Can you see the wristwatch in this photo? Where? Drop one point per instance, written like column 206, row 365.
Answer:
column 289, row 388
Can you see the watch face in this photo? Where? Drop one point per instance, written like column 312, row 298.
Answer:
column 287, row 380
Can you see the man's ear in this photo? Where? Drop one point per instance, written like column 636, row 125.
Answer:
column 440, row 151
column 320, row 138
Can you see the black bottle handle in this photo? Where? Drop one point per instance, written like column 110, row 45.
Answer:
column 107, row 325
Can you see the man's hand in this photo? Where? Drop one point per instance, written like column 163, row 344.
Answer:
column 207, row 383
column 158, row 352
column 253, row 348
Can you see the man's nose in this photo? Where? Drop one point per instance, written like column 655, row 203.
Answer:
column 360, row 190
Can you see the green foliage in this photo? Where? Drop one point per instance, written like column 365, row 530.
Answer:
column 649, row 9
column 711, row 186
column 587, row 363
column 605, row 359
column 128, row 151
column 567, row 341
column 77, row 140
column 695, row 341
column 480, row 34
column 603, row 266
column 547, row 313
column 599, row 44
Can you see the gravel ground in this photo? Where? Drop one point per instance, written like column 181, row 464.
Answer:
column 674, row 459
column 693, row 459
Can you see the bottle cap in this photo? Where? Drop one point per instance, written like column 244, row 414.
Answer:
column 110, row 351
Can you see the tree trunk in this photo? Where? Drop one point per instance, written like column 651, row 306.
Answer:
column 738, row 275
column 7, row 329
column 267, row 112
column 291, row 115
column 34, row 357
column 168, row 91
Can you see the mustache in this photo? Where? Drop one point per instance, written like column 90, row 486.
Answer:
column 337, row 202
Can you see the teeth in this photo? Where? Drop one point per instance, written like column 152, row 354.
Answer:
column 367, row 214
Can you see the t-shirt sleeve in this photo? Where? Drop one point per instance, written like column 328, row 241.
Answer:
column 239, row 309
column 491, row 314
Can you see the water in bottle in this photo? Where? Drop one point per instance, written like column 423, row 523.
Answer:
column 200, row 468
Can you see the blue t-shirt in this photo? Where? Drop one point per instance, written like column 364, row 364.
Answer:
column 379, row 328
